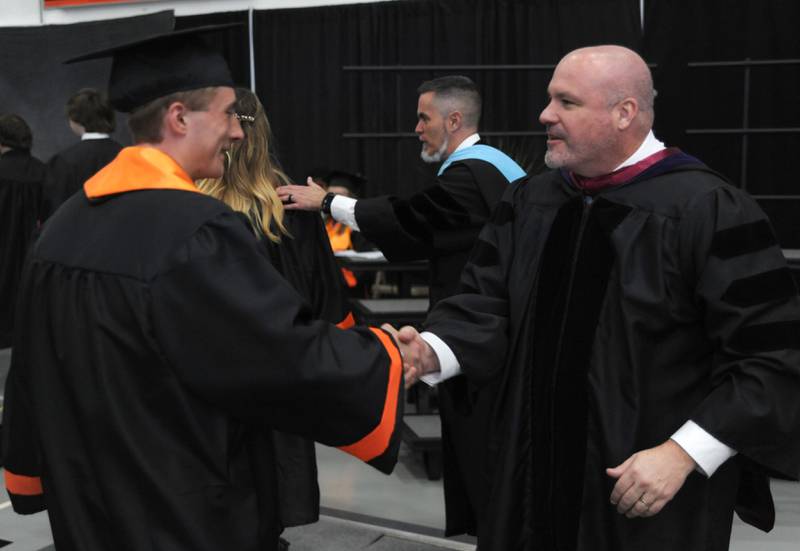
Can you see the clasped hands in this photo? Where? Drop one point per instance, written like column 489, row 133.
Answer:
column 418, row 357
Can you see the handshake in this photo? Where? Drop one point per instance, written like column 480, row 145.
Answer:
column 418, row 357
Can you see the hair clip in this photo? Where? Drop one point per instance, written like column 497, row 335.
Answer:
column 245, row 118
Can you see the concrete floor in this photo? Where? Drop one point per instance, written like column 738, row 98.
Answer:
column 405, row 510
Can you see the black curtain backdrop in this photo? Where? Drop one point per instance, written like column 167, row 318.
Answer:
column 681, row 31
column 312, row 101
column 35, row 84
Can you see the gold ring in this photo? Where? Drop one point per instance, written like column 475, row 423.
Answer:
column 641, row 499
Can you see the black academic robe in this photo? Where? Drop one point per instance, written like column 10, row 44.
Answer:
column 441, row 223
column 21, row 178
column 68, row 170
column 158, row 339
column 662, row 300
column 305, row 259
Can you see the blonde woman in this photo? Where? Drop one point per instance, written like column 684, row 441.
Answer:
column 298, row 247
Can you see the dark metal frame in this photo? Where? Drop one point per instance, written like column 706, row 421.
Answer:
column 745, row 131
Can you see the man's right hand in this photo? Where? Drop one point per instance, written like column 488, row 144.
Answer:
column 308, row 197
column 425, row 360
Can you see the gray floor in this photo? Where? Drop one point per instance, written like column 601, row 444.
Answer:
column 364, row 509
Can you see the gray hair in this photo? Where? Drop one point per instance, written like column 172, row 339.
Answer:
column 455, row 93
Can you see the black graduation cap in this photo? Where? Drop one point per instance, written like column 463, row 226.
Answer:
column 353, row 182
column 155, row 66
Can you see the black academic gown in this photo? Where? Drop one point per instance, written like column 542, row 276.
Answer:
column 664, row 300
column 21, row 178
column 441, row 223
column 305, row 259
column 158, row 338
column 69, row 169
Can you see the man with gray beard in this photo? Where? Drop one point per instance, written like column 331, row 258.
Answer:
column 439, row 223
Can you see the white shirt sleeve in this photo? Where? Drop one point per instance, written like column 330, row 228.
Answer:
column 343, row 209
column 708, row 452
column 448, row 364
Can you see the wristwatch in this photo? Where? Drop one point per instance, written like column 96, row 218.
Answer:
column 325, row 206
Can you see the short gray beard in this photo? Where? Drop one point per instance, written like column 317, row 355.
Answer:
column 550, row 162
column 439, row 155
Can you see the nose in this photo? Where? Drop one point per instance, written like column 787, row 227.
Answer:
column 236, row 132
column 547, row 116
column 419, row 129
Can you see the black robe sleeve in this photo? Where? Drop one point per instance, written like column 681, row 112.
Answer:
column 751, row 316
column 474, row 322
column 240, row 337
column 436, row 219
column 21, row 178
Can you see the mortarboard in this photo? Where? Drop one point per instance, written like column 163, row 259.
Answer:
column 353, row 182
column 158, row 65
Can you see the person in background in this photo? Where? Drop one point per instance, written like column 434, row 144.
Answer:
column 341, row 236
column 439, row 223
column 90, row 116
column 297, row 247
column 21, row 180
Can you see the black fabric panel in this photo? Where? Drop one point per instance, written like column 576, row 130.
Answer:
column 550, row 307
column 440, row 210
column 744, row 239
column 28, row 505
column 407, row 218
column 503, row 214
column 465, row 289
column 586, row 298
column 761, row 288
column 768, row 336
column 35, row 84
column 484, row 254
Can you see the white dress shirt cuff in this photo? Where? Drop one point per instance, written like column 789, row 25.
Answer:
column 343, row 209
column 448, row 364
column 708, row 452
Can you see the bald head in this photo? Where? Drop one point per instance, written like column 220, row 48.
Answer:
column 600, row 110
column 619, row 73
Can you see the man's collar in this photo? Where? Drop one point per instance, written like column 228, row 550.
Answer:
column 93, row 136
column 470, row 140
column 650, row 145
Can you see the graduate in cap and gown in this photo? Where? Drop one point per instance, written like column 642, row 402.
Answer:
column 156, row 339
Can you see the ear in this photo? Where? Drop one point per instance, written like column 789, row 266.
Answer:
column 174, row 119
column 454, row 121
column 626, row 112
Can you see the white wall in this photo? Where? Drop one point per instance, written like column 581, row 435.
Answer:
column 29, row 12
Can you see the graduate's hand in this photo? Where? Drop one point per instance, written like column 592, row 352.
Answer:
column 308, row 197
column 426, row 360
column 649, row 479
column 408, row 353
